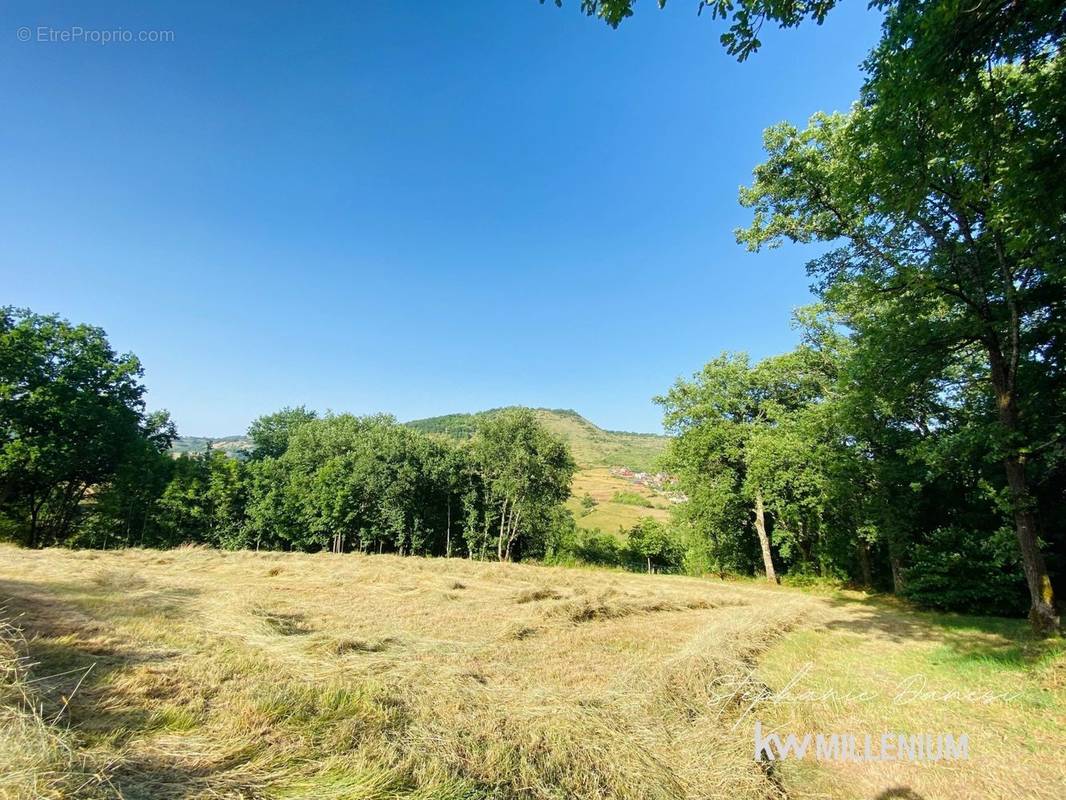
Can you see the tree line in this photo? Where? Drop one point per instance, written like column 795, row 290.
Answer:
column 83, row 464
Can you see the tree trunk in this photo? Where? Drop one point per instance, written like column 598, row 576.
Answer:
column 864, row 564
column 764, row 539
column 513, row 532
column 805, row 548
column 144, row 521
column 448, row 533
column 34, row 510
column 895, row 563
column 1042, row 599
column 503, row 527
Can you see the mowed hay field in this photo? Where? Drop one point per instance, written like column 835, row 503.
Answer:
column 201, row 674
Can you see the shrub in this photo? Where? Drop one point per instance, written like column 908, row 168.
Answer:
column 583, row 546
column 597, row 547
column 959, row 570
column 632, row 499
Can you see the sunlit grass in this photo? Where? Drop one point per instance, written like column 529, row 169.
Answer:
column 200, row 674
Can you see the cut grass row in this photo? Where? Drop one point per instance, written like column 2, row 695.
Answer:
column 317, row 676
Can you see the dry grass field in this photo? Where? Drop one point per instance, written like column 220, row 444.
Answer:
column 200, row 674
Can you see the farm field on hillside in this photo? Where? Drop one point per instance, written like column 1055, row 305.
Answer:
column 203, row 674
column 608, row 515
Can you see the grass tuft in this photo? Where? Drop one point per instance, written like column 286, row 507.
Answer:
column 39, row 758
column 536, row 595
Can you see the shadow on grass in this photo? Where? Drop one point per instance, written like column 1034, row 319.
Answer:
column 899, row 793
column 106, row 689
column 994, row 641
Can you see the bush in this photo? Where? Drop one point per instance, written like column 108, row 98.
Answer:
column 808, row 580
column 597, row 547
column 583, row 546
column 632, row 499
column 959, row 570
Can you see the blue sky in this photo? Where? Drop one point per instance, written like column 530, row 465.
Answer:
column 418, row 208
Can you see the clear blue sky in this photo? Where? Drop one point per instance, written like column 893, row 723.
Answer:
column 418, row 208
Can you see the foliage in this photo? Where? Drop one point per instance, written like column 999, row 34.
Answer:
column 655, row 544
column 922, row 412
column 944, row 202
column 955, row 570
column 71, row 415
column 747, row 17
column 751, row 439
column 571, row 545
column 270, row 434
column 632, row 499
column 526, row 472
column 590, row 445
column 83, row 463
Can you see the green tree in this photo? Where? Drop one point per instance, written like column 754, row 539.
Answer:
column 654, row 544
column 182, row 511
column 71, row 411
column 714, row 418
column 270, row 433
column 526, row 472
column 951, row 270
column 124, row 509
column 944, row 37
column 273, row 512
column 747, row 17
column 226, row 500
column 371, row 483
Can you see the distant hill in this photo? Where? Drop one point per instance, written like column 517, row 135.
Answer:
column 591, row 445
column 230, row 445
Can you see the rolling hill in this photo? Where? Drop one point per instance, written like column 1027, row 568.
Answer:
column 591, row 445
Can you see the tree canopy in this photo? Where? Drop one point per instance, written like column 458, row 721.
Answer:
column 71, row 412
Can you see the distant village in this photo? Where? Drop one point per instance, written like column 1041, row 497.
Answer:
column 662, row 482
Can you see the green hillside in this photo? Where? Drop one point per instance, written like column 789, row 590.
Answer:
column 591, row 445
